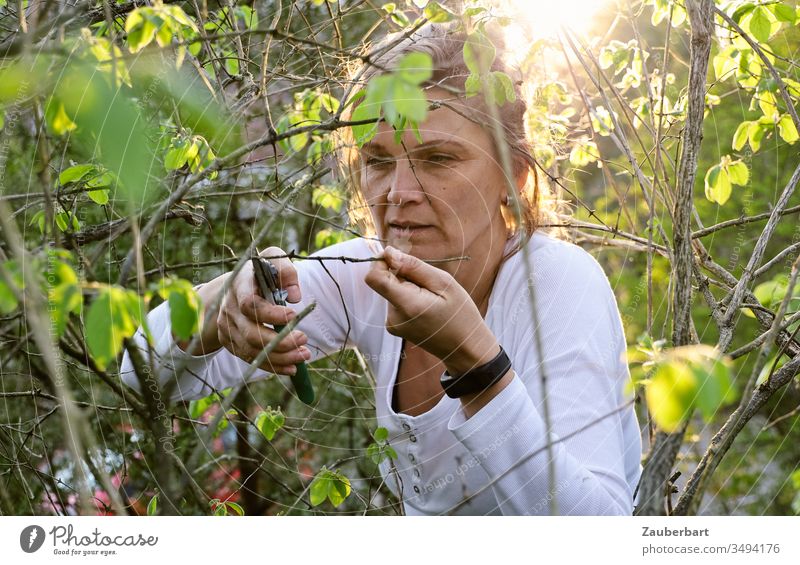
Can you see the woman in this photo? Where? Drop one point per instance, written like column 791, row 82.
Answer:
column 481, row 447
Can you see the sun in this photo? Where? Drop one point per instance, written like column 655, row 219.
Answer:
column 541, row 19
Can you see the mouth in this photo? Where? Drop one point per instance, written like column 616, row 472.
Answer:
column 407, row 230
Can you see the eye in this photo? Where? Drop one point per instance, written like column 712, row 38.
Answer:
column 374, row 161
column 439, row 158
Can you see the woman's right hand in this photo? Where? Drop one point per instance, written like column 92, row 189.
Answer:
column 239, row 325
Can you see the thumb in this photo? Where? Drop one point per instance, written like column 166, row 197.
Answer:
column 287, row 273
column 415, row 270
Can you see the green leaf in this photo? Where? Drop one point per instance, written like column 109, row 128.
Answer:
column 760, row 25
column 316, row 151
column 164, row 35
column 110, row 120
column 742, row 11
column 436, row 13
column 787, row 129
column 754, row 135
column 331, row 485
column 767, row 102
column 725, row 65
column 670, row 395
column 471, row 12
column 178, row 154
column 269, row 422
column 63, row 293
column 396, row 15
column 369, row 108
column 152, row 506
column 8, row 299
column 98, row 196
column 288, row 122
column 374, row 453
column 478, row 52
column 714, row 387
column 184, row 305
column 235, row 507
column 140, row 33
column 739, row 174
column 783, row 12
column 330, row 103
column 179, row 17
column 61, row 221
column 771, row 293
column 67, row 221
column 763, row 376
column 74, row 173
column 415, row 68
column 319, row 488
column 602, row 121
column 381, row 434
column 740, row 136
column 328, row 197
column 101, row 180
column 408, row 101
column 472, row 85
column 583, row 153
column 57, row 119
column 198, row 407
column 231, row 63
column 503, row 88
column 793, row 87
column 113, row 316
column 327, row 237
column 340, row 489
column 717, row 185
column 38, row 220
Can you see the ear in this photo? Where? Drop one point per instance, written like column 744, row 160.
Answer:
column 521, row 175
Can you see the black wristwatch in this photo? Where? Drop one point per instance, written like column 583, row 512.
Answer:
column 478, row 379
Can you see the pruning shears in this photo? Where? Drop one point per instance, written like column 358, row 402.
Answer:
column 269, row 285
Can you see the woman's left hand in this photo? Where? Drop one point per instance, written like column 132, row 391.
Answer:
column 429, row 308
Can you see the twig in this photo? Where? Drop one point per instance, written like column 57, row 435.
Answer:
column 662, row 456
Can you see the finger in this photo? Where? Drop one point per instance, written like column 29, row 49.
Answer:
column 274, row 362
column 244, row 285
column 249, row 342
column 225, row 329
column 283, row 359
column 262, row 311
column 382, row 280
column 289, row 370
column 258, row 337
column 287, row 274
column 416, row 270
column 291, row 342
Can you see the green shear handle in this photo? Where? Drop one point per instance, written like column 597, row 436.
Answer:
column 269, row 286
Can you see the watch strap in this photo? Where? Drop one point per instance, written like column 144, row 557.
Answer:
column 477, row 379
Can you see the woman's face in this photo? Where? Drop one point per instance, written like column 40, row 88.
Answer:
column 440, row 197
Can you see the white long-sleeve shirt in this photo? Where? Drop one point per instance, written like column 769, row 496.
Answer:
column 445, row 462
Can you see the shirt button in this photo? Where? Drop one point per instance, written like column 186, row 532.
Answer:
column 416, row 489
column 412, row 438
column 406, row 427
column 411, row 457
column 416, row 473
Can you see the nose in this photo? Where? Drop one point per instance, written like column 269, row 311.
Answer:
column 406, row 185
